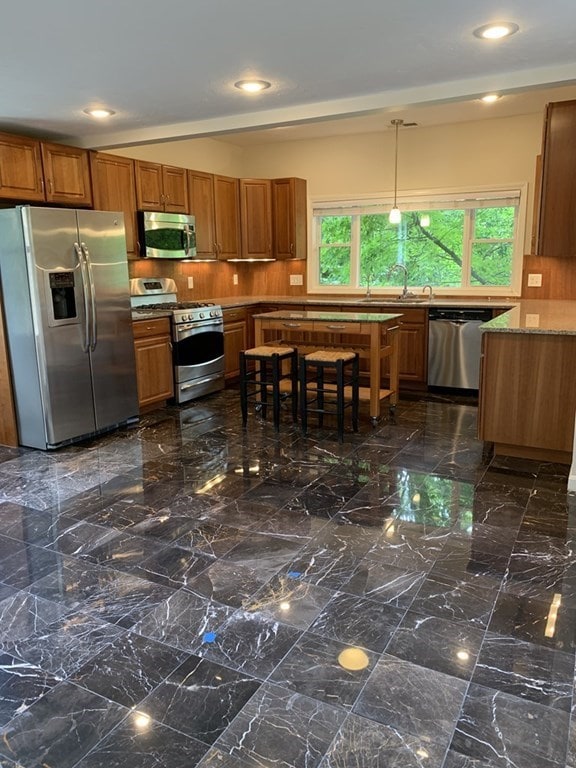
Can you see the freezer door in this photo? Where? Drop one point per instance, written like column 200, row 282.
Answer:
column 103, row 243
column 62, row 366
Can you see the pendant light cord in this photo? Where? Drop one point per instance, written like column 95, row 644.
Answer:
column 396, row 123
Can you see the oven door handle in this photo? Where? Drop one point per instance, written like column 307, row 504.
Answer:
column 181, row 328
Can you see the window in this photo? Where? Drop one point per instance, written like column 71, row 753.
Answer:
column 470, row 242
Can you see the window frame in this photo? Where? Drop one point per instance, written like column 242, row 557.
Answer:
column 412, row 199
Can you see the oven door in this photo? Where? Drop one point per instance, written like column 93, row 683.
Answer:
column 198, row 349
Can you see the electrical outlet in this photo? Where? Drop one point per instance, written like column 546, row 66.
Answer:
column 532, row 321
column 235, row 279
column 190, row 282
column 535, row 280
column 296, row 280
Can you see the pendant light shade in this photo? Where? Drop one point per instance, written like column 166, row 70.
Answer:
column 395, row 216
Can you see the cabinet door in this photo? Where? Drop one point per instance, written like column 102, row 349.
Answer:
column 235, row 336
column 256, row 218
column 412, row 357
column 149, row 195
column 289, row 217
column 175, row 189
column 20, row 168
column 113, row 189
column 227, row 217
column 201, row 196
column 557, row 225
column 66, row 174
column 153, row 369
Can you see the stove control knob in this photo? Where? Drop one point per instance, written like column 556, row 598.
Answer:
column 201, row 315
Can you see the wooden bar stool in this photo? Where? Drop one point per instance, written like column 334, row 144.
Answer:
column 315, row 391
column 268, row 375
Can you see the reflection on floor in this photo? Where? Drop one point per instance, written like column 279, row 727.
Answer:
column 183, row 593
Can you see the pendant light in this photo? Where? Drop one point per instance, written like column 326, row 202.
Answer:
column 395, row 215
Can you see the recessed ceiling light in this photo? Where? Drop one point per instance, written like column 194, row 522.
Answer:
column 497, row 30
column 99, row 113
column 490, row 98
column 252, row 86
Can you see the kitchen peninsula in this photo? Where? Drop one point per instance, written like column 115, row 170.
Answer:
column 528, row 381
column 373, row 335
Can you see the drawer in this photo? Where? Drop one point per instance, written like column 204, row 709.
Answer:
column 160, row 326
column 234, row 315
column 333, row 326
column 409, row 315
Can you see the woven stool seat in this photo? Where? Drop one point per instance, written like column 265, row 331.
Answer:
column 330, row 356
column 268, row 351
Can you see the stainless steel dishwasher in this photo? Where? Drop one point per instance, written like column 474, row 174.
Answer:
column 454, row 346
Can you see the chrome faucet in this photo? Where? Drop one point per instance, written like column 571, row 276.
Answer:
column 368, row 292
column 431, row 295
column 406, row 294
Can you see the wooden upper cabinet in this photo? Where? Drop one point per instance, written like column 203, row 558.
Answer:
column 113, row 188
column 557, row 223
column 20, row 168
column 289, row 217
column 227, row 217
column 66, row 174
column 256, row 218
column 201, row 196
column 161, row 187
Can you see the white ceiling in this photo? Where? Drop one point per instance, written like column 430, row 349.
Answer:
column 168, row 68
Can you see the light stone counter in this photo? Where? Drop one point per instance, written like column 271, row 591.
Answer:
column 532, row 316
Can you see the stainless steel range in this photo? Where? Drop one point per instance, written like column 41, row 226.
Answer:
column 197, row 335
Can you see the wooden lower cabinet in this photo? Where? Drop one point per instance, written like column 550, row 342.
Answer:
column 153, row 347
column 528, row 395
column 235, row 340
column 413, row 353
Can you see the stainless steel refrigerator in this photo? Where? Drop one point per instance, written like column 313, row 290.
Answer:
column 65, row 289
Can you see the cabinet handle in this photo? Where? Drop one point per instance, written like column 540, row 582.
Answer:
column 42, row 185
column 291, row 247
column 291, row 325
column 50, row 185
column 336, row 327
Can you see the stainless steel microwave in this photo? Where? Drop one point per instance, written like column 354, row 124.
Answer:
column 167, row 235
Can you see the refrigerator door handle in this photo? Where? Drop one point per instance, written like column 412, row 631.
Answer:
column 94, row 335
column 81, row 262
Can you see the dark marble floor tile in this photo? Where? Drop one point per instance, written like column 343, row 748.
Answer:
column 31, row 526
column 462, row 602
column 358, row 621
column 362, row 743
column 526, row 670
column 245, row 514
column 227, row 582
column 549, row 623
column 408, row 550
column 129, row 668
column 325, row 669
column 250, row 642
column 492, row 539
column 22, row 615
column 211, row 539
column 265, row 555
column 200, row 699
column 278, row 727
column 412, row 699
column 436, row 643
column 21, row 684
column 103, row 592
column 172, row 566
column 384, row 583
column 59, row 728
column 291, row 601
column 294, row 525
column 182, row 620
column 509, row 731
column 461, row 562
column 28, row 565
column 456, row 760
column 323, row 567
column 140, row 742
column 274, row 494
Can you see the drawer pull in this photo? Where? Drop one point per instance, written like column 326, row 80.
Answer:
column 336, row 327
column 292, row 325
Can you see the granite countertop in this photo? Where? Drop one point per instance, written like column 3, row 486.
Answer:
column 536, row 316
column 240, row 301
column 329, row 317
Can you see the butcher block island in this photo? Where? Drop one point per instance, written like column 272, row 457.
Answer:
column 373, row 335
column 528, row 381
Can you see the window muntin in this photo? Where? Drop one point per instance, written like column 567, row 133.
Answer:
column 461, row 242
